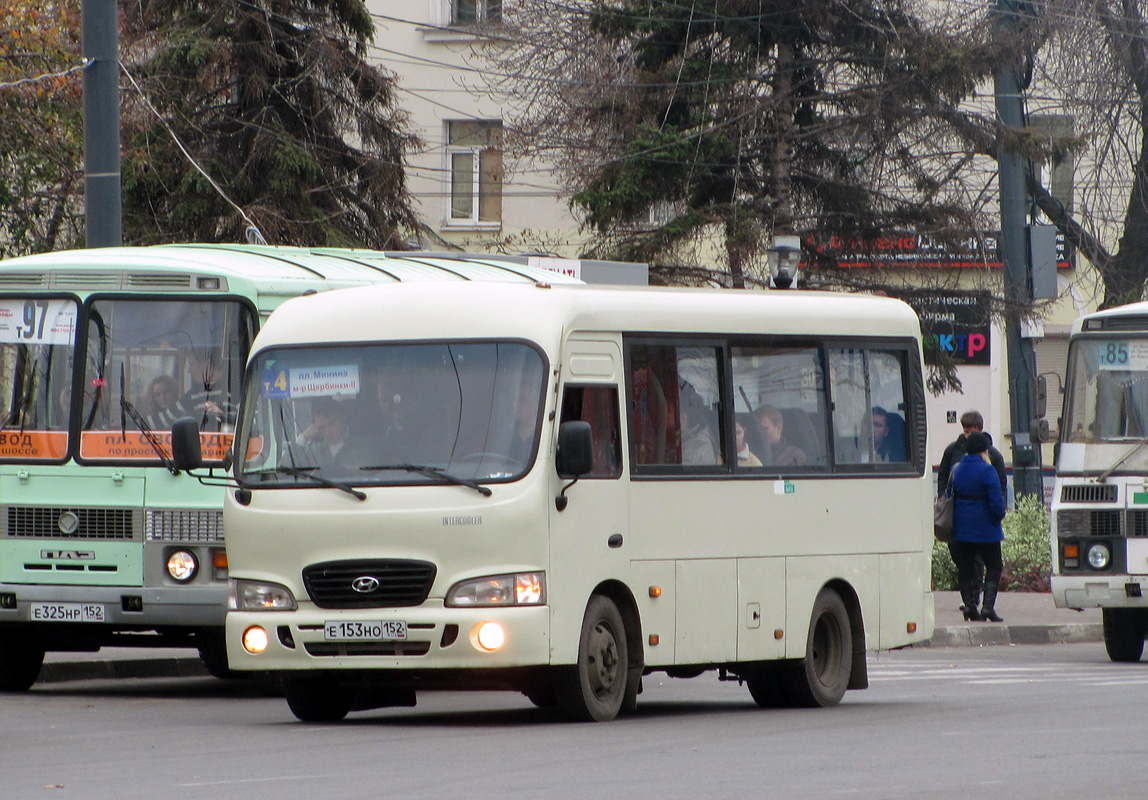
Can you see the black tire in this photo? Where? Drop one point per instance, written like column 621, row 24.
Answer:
column 595, row 689
column 765, row 687
column 1124, row 630
column 212, row 648
column 542, row 696
column 21, row 658
column 314, row 699
column 820, row 679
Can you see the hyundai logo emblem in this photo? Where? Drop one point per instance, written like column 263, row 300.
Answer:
column 365, row 584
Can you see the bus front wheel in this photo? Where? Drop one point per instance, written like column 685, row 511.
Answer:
column 1124, row 630
column 821, row 678
column 21, row 658
column 315, row 699
column 595, row 688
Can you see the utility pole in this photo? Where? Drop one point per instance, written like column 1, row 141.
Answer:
column 1014, row 250
column 103, row 201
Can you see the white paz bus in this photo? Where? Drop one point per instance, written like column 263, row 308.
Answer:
column 1099, row 531
column 558, row 489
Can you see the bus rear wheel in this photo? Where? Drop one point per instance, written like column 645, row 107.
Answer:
column 315, row 699
column 595, row 688
column 21, row 658
column 1124, row 630
column 821, row 678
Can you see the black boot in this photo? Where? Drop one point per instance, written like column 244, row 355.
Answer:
column 987, row 612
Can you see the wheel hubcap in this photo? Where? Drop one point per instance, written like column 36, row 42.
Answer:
column 603, row 660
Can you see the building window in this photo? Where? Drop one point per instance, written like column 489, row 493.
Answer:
column 474, row 148
column 471, row 12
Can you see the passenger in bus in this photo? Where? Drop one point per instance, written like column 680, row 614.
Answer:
column 698, row 445
column 782, row 452
column 325, row 439
column 162, row 397
column 745, row 457
column 888, row 434
column 208, row 398
column 978, row 510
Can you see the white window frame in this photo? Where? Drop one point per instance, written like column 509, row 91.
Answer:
column 475, row 151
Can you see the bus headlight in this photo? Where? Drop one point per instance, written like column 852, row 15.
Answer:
column 182, row 565
column 259, row 596
column 1099, row 556
column 520, row 589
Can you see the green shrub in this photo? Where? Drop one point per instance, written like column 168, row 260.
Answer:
column 1025, row 552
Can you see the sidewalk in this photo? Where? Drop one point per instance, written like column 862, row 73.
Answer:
column 1029, row 618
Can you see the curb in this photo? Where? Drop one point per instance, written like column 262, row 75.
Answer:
column 97, row 669
column 992, row 634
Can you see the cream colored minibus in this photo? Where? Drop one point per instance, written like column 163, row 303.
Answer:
column 558, row 489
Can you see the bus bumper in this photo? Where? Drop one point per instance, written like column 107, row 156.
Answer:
column 1091, row 591
column 438, row 638
column 121, row 607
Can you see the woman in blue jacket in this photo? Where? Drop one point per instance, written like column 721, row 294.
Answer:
column 977, row 514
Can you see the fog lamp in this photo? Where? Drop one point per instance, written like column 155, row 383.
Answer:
column 182, row 565
column 490, row 636
column 255, row 640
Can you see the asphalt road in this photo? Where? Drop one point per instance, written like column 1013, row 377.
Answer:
column 1051, row 721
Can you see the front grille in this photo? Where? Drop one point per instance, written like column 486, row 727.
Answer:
column 368, row 648
column 1137, row 522
column 401, row 582
column 1089, row 493
column 1088, row 523
column 184, row 526
column 34, row 522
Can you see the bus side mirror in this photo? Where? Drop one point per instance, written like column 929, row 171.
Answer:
column 1041, row 396
column 185, row 452
column 575, row 456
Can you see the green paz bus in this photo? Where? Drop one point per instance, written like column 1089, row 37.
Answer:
column 102, row 541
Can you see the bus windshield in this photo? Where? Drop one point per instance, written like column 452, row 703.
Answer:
column 1108, row 391
column 392, row 414
column 151, row 362
column 37, row 345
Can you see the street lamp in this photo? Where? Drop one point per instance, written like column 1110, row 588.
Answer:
column 784, row 259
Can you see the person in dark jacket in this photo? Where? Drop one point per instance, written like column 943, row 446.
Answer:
column 978, row 509
column 971, row 422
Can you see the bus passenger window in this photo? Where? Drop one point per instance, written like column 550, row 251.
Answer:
column 597, row 405
column 869, row 405
column 779, row 396
column 675, row 393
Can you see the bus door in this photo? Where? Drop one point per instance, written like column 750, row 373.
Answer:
column 589, row 537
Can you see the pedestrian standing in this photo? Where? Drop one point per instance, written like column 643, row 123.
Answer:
column 978, row 510
column 971, row 422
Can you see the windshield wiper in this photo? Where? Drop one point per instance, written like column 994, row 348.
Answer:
column 434, row 472
column 1103, row 476
column 127, row 409
column 319, row 479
